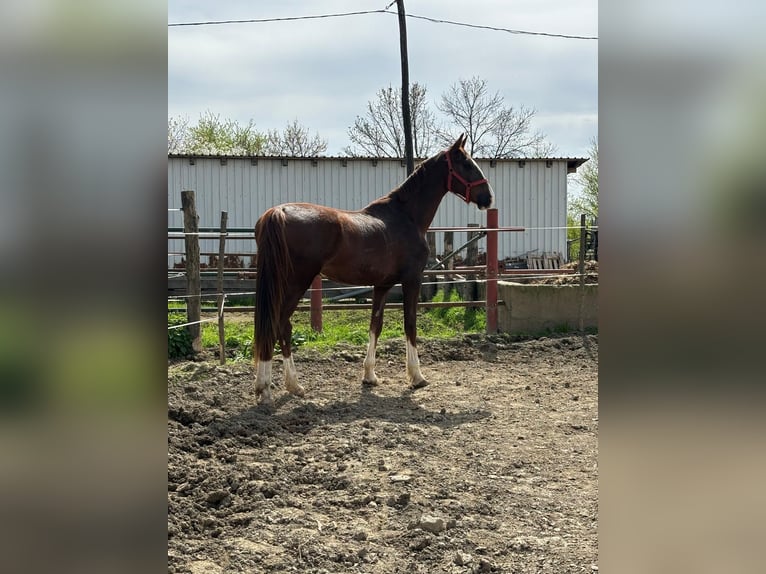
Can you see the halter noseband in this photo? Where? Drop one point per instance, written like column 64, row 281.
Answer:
column 466, row 184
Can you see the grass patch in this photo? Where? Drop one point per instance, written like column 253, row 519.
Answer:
column 349, row 327
column 238, row 334
column 462, row 319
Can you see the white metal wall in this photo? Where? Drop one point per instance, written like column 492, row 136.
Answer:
column 531, row 194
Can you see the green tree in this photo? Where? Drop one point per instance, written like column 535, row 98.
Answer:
column 213, row 135
column 586, row 199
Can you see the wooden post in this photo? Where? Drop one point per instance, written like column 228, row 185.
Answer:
column 595, row 239
column 581, row 268
column 449, row 247
column 431, row 242
column 471, row 258
column 472, row 251
column 581, row 265
column 193, row 289
column 406, row 117
column 427, row 292
column 316, row 304
column 221, row 297
column 492, row 271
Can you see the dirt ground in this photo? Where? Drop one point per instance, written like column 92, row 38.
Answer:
column 490, row 468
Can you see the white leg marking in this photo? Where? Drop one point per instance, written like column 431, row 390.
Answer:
column 413, row 367
column 370, row 377
column 291, row 377
column 263, row 382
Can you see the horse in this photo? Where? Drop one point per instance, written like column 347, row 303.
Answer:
column 380, row 245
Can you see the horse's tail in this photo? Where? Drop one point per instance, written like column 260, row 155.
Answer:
column 273, row 266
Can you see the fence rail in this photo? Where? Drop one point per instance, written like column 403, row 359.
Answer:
column 192, row 274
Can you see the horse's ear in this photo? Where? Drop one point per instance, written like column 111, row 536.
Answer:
column 459, row 142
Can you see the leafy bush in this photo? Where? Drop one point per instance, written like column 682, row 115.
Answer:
column 179, row 339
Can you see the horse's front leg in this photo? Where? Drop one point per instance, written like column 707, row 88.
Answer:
column 411, row 292
column 376, row 326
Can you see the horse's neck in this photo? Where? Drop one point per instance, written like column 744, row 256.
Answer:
column 423, row 192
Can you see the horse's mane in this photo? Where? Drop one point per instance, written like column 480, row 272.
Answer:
column 415, row 180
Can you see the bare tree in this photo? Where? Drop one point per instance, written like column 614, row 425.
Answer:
column 178, row 133
column 294, row 141
column 380, row 133
column 493, row 129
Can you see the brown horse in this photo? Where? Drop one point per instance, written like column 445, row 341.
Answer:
column 381, row 245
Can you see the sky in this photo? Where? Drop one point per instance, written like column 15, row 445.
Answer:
column 323, row 72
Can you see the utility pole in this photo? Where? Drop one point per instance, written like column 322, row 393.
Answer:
column 406, row 118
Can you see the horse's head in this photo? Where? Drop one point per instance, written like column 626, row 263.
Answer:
column 464, row 178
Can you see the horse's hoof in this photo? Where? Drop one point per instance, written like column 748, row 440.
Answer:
column 263, row 397
column 370, row 382
column 419, row 384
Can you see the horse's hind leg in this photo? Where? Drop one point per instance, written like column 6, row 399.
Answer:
column 376, row 326
column 285, row 338
column 291, row 374
column 263, row 381
column 411, row 292
column 284, row 335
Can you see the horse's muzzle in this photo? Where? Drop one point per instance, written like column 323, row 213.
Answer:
column 484, row 201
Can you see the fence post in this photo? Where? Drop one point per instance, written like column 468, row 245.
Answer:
column 193, row 288
column 221, row 296
column 595, row 239
column 471, row 259
column 492, row 271
column 316, row 304
column 449, row 247
column 431, row 241
column 581, row 269
column 428, row 290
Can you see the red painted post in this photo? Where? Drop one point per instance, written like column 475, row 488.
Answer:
column 316, row 304
column 492, row 271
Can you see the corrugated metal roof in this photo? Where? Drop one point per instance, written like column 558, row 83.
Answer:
column 572, row 162
column 368, row 158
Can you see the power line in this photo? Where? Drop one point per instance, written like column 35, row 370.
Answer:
column 510, row 31
column 383, row 11
column 283, row 19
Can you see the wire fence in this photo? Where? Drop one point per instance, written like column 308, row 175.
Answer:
column 440, row 274
column 358, row 287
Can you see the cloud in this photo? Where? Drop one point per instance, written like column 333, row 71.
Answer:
column 323, row 72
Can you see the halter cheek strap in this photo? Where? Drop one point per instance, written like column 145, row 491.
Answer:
column 466, row 196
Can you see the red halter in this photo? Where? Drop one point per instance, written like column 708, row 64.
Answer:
column 466, row 184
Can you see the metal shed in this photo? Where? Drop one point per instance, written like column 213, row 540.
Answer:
column 531, row 193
